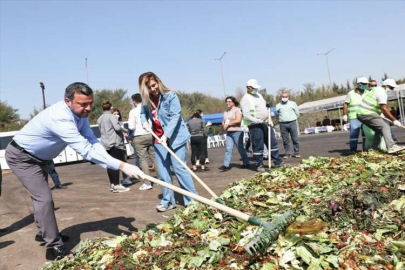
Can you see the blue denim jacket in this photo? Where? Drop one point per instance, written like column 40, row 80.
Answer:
column 169, row 115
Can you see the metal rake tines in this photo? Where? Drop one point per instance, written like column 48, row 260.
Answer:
column 258, row 244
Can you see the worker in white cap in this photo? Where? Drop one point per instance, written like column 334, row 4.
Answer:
column 374, row 103
column 352, row 102
column 255, row 116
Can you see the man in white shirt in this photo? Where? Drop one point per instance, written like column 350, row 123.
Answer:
column 255, row 116
column 142, row 139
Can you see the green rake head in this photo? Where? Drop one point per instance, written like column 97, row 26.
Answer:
column 270, row 233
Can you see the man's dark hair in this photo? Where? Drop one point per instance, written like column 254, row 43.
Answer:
column 77, row 87
column 198, row 111
column 137, row 98
column 373, row 81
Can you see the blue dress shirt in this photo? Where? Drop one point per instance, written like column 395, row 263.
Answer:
column 50, row 131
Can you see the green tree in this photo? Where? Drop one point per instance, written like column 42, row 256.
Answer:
column 117, row 98
column 190, row 102
column 348, row 87
column 400, row 81
column 9, row 118
column 35, row 112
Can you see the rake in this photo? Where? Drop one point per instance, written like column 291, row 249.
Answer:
column 258, row 243
column 188, row 169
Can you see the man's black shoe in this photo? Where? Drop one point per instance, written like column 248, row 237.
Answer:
column 39, row 238
column 60, row 187
column 245, row 166
column 279, row 165
column 56, row 253
column 224, row 168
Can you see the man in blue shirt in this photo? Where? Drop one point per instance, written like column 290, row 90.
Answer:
column 288, row 114
column 41, row 140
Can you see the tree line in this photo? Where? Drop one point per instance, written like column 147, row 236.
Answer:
column 10, row 119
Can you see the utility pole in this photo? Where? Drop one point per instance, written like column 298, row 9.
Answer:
column 87, row 72
column 41, row 84
column 327, row 65
column 222, row 71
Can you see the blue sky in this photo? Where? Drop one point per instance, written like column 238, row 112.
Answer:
column 275, row 42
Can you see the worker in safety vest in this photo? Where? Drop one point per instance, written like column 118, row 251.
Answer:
column 255, row 116
column 352, row 102
column 373, row 103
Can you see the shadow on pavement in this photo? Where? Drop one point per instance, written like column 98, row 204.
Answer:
column 6, row 243
column 18, row 225
column 64, row 184
column 342, row 152
column 110, row 225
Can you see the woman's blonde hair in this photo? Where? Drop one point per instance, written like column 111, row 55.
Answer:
column 144, row 90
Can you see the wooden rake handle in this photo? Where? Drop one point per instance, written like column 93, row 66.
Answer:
column 186, row 167
column 203, row 200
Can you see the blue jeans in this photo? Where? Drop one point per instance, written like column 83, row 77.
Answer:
column 235, row 137
column 290, row 129
column 259, row 137
column 355, row 128
column 54, row 175
column 163, row 162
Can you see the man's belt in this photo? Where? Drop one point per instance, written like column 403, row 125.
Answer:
column 13, row 143
column 288, row 122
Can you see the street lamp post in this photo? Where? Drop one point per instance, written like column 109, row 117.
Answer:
column 222, row 71
column 327, row 65
column 41, row 84
column 87, row 72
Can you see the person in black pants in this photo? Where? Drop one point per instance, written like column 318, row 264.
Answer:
column 112, row 138
column 197, row 131
column 207, row 161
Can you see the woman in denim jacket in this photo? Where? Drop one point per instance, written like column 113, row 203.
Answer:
column 164, row 110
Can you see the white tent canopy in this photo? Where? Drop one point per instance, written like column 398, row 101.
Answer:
column 337, row 102
column 322, row 105
column 400, row 87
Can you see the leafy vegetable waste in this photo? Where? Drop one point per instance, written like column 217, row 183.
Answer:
column 350, row 214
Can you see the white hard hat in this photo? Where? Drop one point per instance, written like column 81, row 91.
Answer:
column 362, row 80
column 253, row 83
column 390, row 82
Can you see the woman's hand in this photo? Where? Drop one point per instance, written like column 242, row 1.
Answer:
column 163, row 140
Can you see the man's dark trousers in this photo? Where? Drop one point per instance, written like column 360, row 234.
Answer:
column 259, row 137
column 287, row 129
column 33, row 174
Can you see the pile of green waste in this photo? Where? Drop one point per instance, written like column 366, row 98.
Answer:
column 350, row 214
